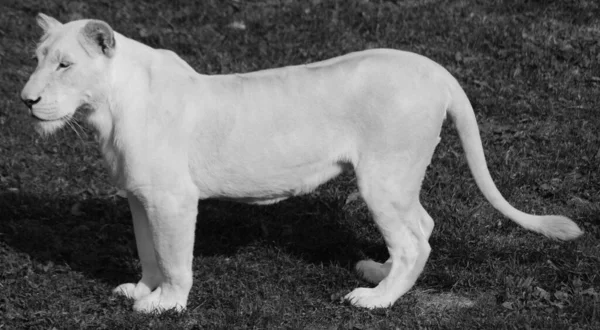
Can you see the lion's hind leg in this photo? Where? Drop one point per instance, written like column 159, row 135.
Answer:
column 390, row 188
column 374, row 272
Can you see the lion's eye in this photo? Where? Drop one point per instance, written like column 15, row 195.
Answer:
column 64, row 65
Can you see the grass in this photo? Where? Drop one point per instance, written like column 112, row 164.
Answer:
column 532, row 71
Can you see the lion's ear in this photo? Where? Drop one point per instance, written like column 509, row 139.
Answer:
column 101, row 36
column 46, row 22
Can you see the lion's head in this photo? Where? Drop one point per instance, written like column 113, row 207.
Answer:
column 72, row 68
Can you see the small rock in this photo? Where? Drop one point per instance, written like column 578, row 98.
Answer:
column 237, row 25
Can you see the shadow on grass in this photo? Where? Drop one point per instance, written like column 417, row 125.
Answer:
column 95, row 235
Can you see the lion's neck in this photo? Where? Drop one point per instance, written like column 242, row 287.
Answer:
column 122, row 109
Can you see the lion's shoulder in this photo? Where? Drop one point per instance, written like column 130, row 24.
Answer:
column 173, row 61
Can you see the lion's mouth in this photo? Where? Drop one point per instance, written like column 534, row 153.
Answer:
column 84, row 108
column 34, row 116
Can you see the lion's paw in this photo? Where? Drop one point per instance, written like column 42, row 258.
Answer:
column 372, row 271
column 157, row 302
column 368, row 298
column 132, row 290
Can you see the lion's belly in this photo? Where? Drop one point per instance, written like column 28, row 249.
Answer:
column 274, row 149
column 269, row 189
column 266, row 183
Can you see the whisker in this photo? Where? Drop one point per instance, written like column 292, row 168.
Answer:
column 70, row 123
column 79, row 125
column 81, row 128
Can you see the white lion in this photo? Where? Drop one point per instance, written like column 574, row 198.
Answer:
column 171, row 136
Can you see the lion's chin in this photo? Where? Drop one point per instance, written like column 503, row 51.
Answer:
column 46, row 128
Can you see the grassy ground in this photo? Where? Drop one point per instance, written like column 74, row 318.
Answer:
column 531, row 69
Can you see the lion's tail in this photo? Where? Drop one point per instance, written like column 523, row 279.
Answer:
column 461, row 112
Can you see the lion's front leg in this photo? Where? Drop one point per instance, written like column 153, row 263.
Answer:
column 151, row 274
column 167, row 272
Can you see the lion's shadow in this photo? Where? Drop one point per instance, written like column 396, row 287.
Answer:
column 95, row 235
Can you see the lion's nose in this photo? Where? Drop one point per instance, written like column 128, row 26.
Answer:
column 29, row 102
